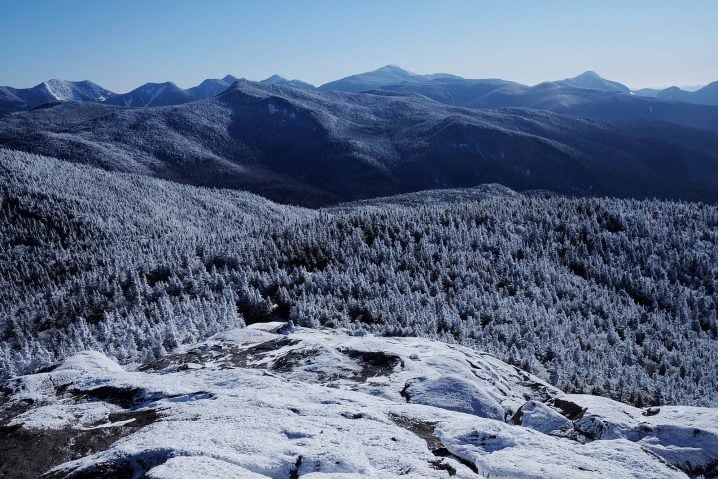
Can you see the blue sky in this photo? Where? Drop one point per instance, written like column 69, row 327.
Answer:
column 121, row 44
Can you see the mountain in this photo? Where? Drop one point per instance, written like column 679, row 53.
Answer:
column 61, row 90
column 674, row 94
column 317, row 148
column 593, row 81
column 707, row 95
column 152, row 94
column 324, row 403
column 451, row 91
column 12, row 99
column 647, row 92
column 278, row 80
column 211, row 87
column 387, row 75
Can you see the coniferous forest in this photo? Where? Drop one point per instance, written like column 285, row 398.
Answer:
column 614, row 297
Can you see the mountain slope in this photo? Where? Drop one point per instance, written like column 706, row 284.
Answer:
column 322, row 403
column 316, row 148
column 62, row 90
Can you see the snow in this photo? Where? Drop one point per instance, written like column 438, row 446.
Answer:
column 271, row 327
column 273, row 400
column 455, row 394
column 62, row 415
column 192, row 467
column 680, row 434
column 503, row 451
column 60, row 90
column 540, row 417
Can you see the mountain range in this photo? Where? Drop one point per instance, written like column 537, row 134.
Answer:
column 147, row 95
column 443, row 87
column 316, row 147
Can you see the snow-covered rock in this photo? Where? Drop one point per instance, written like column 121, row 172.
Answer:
column 273, row 401
column 455, row 394
column 542, row 418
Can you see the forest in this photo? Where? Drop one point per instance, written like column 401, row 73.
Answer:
column 614, row 297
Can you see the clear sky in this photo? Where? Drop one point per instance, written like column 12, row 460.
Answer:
column 121, row 44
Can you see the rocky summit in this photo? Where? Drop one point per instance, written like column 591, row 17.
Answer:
column 277, row 401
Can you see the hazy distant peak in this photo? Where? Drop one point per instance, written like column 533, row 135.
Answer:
column 275, row 79
column 211, row 87
column 394, row 69
column 588, row 74
column 280, row 80
column 386, row 75
column 152, row 94
column 166, row 83
column 592, row 80
column 708, row 95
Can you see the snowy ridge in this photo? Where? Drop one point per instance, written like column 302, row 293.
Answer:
column 275, row 401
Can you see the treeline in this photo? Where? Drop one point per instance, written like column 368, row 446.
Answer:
column 612, row 297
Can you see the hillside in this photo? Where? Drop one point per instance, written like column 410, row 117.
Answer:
column 605, row 296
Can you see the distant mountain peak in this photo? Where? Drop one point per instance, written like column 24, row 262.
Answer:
column 386, row 75
column 280, row 80
column 394, row 69
column 589, row 74
column 708, row 95
column 275, row 79
column 211, row 87
column 592, row 80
